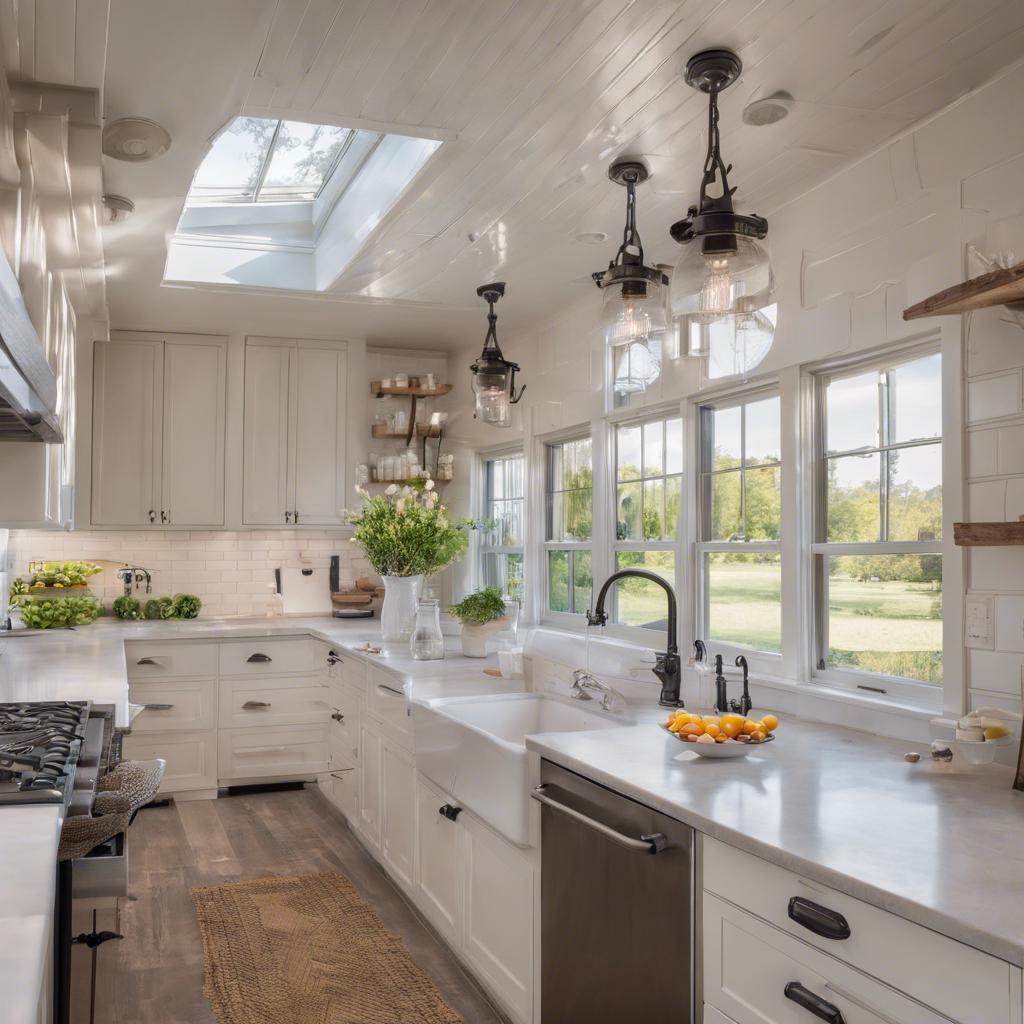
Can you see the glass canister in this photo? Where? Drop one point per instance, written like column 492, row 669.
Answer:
column 427, row 640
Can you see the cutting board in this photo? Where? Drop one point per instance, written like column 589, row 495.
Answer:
column 306, row 594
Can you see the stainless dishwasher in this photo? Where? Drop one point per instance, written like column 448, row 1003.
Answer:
column 616, row 907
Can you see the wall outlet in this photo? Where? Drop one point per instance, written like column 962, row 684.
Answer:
column 978, row 631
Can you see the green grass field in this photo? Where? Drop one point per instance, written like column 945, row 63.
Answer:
column 892, row 627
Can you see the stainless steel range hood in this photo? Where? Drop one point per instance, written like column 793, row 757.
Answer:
column 28, row 388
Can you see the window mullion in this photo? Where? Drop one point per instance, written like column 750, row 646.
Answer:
column 265, row 166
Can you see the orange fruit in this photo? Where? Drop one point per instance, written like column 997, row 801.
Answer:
column 771, row 723
column 721, row 738
column 693, row 729
column 758, row 736
column 691, row 737
column 731, row 729
column 713, row 730
column 712, row 720
column 748, row 727
column 674, row 726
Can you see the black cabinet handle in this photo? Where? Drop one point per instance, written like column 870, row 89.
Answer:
column 255, row 705
column 145, row 661
column 829, row 924
column 333, row 658
column 813, row 1004
column 152, row 515
column 338, row 716
column 158, row 707
column 259, row 658
column 449, row 811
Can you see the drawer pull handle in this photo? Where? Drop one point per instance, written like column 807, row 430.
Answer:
column 255, row 705
column 259, row 658
column 158, row 707
column 653, row 843
column 145, row 661
column 337, row 773
column 449, row 811
column 813, row 1004
column 256, row 751
column 338, row 716
column 829, row 924
column 387, row 691
column 333, row 658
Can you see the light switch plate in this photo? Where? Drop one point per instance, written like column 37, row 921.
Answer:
column 978, row 631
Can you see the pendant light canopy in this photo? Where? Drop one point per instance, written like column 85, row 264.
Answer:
column 494, row 377
column 723, row 288
column 633, row 313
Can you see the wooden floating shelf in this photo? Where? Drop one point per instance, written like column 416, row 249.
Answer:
column 997, row 288
column 401, row 483
column 988, row 535
column 422, row 430
column 379, row 392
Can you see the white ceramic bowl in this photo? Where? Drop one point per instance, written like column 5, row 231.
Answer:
column 730, row 748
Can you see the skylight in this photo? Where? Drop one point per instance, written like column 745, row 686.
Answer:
column 262, row 160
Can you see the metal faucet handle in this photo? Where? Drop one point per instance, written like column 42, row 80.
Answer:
column 597, row 618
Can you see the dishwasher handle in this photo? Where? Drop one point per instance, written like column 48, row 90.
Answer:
column 653, row 843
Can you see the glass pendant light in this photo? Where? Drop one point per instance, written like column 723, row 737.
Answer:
column 723, row 288
column 633, row 312
column 494, row 377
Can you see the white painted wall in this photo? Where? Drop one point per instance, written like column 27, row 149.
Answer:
column 849, row 256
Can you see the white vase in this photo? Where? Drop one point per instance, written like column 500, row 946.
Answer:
column 475, row 637
column 398, row 614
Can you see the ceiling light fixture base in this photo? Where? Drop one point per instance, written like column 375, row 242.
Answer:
column 627, row 172
column 712, row 70
column 491, row 292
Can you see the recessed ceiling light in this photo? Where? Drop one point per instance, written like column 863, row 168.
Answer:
column 592, row 237
column 769, row 110
column 117, row 208
column 135, row 139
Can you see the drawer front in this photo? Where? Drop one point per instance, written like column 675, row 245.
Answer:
column 301, row 700
column 387, row 704
column 186, row 705
column 343, row 788
column 191, row 758
column 280, row 752
column 346, row 668
column 268, row 657
column 757, row 974
column 176, row 658
column 715, row 1016
column 924, row 964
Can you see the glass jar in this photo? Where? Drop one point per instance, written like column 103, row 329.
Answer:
column 427, row 640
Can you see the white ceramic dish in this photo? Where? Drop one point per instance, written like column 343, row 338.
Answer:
column 730, row 748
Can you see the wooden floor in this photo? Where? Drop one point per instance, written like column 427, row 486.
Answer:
column 155, row 974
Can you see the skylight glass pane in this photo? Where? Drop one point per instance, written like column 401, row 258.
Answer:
column 231, row 169
column 303, row 156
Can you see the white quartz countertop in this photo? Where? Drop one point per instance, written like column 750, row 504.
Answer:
column 88, row 663
column 938, row 844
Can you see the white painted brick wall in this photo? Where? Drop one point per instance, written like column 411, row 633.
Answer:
column 229, row 571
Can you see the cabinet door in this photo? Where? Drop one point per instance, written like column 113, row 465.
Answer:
column 318, row 448
column 499, row 915
column 265, row 433
column 193, row 436
column 369, row 785
column 439, row 862
column 127, row 432
column 398, row 812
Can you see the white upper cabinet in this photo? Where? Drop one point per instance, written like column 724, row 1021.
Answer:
column 294, row 432
column 158, row 432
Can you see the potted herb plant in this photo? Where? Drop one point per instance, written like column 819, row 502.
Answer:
column 406, row 534
column 482, row 614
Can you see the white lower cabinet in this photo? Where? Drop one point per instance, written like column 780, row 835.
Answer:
column 498, row 916
column 277, row 752
column 398, row 812
column 368, row 821
column 341, row 786
column 191, row 757
column 440, row 861
column 715, row 1016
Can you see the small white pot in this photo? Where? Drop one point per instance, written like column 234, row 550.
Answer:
column 474, row 637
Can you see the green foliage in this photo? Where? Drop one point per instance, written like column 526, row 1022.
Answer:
column 61, row 575
column 406, row 532
column 127, row 607
column 49, row 613
column 159, row 608
column 481, row 607
column 186, row 606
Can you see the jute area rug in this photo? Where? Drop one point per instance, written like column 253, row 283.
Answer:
column 308, row 950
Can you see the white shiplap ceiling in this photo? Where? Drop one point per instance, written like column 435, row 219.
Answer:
column 535, row 97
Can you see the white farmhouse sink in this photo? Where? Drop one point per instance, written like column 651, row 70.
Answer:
column 475, row 749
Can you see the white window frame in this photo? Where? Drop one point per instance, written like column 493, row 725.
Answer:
column 611, row 546
column 484, row 458
column 766, row 662
column 565, row 620
column 876, row 684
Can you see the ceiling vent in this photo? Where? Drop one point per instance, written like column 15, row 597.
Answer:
column 116, row 209
column 769, row 110
column 135, row 139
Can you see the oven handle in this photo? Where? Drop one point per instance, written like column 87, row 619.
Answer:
column 653, row 843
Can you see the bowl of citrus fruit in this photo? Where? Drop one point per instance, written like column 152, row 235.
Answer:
column 725, row 735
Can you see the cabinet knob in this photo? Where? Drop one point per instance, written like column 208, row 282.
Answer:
column 152, row 515
column 287, row 517
column 449, row 811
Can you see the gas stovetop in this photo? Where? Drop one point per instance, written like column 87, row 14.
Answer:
column 40, row 745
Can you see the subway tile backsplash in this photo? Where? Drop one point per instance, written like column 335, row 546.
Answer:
column 231, row 572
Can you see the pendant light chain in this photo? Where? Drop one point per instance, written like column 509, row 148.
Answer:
column 630, row 234
column 714, row 166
